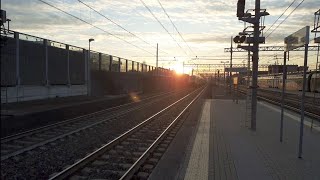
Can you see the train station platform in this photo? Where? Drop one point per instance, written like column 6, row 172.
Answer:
column 224, row 148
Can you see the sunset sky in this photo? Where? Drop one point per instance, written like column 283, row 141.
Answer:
column 205, row 26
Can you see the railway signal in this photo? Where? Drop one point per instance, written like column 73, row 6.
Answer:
column 240, row 8
column 255, row 41
column 239, row 39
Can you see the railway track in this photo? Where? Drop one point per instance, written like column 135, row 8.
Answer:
column 312, row 101
column 26, row 141
column 292, row 102
column 134, row 153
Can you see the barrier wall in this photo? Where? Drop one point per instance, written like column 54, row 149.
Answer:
column 76, row 66
column 8, row 62
column 36, row 68
column 113, row 83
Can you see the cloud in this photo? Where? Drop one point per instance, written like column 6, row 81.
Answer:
column 205, row 25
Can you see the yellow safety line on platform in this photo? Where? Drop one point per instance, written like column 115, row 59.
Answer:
column 199, row 161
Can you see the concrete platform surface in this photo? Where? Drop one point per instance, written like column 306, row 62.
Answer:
column 235, row 152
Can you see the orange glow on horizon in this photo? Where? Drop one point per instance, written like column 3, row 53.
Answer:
column 178, row 68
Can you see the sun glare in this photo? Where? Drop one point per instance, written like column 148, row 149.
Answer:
column 178, row 68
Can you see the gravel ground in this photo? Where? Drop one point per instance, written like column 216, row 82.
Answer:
column 15, row 124
column 113, row 164
column 40, row 163
column 63, row 129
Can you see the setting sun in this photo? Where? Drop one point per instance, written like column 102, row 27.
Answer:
column 178, row 68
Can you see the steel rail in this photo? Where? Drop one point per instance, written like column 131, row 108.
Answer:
column 51, row 139
column 82, row 162
column 36, row 130
column 130, row 172
column 309, row 114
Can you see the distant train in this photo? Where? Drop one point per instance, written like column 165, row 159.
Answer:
column 294, row 81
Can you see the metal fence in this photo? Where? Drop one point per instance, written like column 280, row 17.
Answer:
column 30, row 60
column 8, row 61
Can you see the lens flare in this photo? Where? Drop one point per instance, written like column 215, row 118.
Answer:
column 134, row 97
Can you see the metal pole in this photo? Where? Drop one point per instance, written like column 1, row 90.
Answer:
column 248, row 73
column 100, row 59
column 68, row 64
column 255, row 59
column 110, row 63
column 314, row 84
column 215, row 77
column 16, row 37
column 88, row 83
column 45, row 42
column 282, row 92
column 224, row 73
column 18, row 80
column 237, row 91
column 248, row 93
column 231, row 51
column 183, row 67
column 132, row 66
column 302, row 97
column 126, row 65
column 157, row 59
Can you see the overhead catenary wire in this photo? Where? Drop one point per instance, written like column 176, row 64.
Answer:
column 84, row 21
column 175, row 27
column 121, row 27
column 217, row 57
column 285, row 18
column 155, row 17
column 280, row 16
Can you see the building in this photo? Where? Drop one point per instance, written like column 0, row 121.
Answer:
column 273, row 69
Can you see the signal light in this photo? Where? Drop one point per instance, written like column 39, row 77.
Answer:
column 239, row 39
column 240, row 8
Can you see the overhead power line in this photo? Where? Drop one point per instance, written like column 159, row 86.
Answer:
column 285, row 18
column 118, row 24
column 198, row 57
column 208, row 59
column 175, row 27
column 94, row 26
column 280, row 16
column 155, row 17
